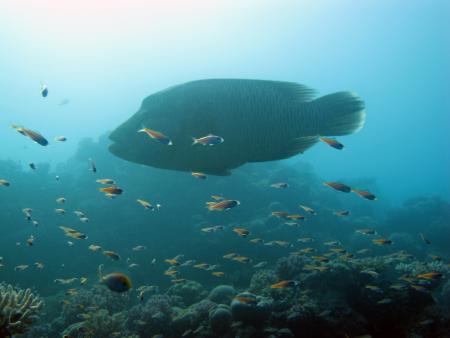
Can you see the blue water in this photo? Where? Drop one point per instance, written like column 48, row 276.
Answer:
column 105, row 58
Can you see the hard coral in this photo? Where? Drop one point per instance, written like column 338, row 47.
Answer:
column 18, row 310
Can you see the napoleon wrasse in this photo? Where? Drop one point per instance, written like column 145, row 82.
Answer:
column 258, row 120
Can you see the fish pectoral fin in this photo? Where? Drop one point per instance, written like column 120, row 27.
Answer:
column 300, row 144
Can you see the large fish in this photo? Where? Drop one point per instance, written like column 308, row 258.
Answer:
column 258, row 121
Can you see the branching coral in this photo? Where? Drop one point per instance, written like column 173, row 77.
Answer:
column 18, row 310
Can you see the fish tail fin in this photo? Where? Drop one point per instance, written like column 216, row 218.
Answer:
column 340, row 113
column 194, row 141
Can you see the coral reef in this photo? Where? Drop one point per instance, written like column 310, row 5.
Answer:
column 261, row 280
column 18, row 310
column 220, row 319
column 151, row 318
column 222, row 294
column 189, row 292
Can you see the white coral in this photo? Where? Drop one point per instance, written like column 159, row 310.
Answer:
column 18, row 308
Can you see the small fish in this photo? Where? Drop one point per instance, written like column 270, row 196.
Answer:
column 153, row 262
column 292, row 224
column 224, row 205
column 279, row 185
column 4, row 183
column 32, row 166
column 199, row 175
column 341, row 213
column 202, row 266
column 57, row 177
column 111, row 254
column 382, row 241
column 30, row 240
column 92, row 166
column 114, row 190
column 35, row 136
column 246, row 300
column 366, row 231
column 217, row 198
column 44, row 90
column 241, row 232
column 325, row 313
column 332, row 243
column 284, row 284
column 60, row 211
column 147, row 205
column 39, row 265
column 279, row 214
column 338, row 186
column 398, row 287
column 79, row 213
column 257, row 241
column 83, row 280
column 260, row 265
column 61, row 200
column 21, row 267
column 320, row 259
column 133, row 265
column 385, row 301
column 308, row 209
column 84, row 220
column 116, row 281
column 332, row 142
column 94, row 247
column 230, row 255
column 425, row 240
column 365, row 194
column 362, row 251
column 208, row 140
column 69, row 243
column 172, row 262
column 73, row 233
column 430, row 275
column 296, row 217
column 218, row 273
column 242, row 259
column 139, row 248
column 65, row 281
column 306, row 240
column 320, row 268
column 426, row 322
column 374, row 288
column 106, row 181
column 371, row 273
column 60, row 139
column 156, row 135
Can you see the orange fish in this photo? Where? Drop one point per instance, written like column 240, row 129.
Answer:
column 156, row 135
column 284, row 284
column 241, row 232
column 218, row 273
column 35, row 136
column 114, row 190
column 173, row 262
column 332, row 142
column 430, row 275
column 245, row 300
column 145, row 204
column 338, row 186
column 111, row 254
column 365, row 194
column 222, row 205
column 382, row 241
